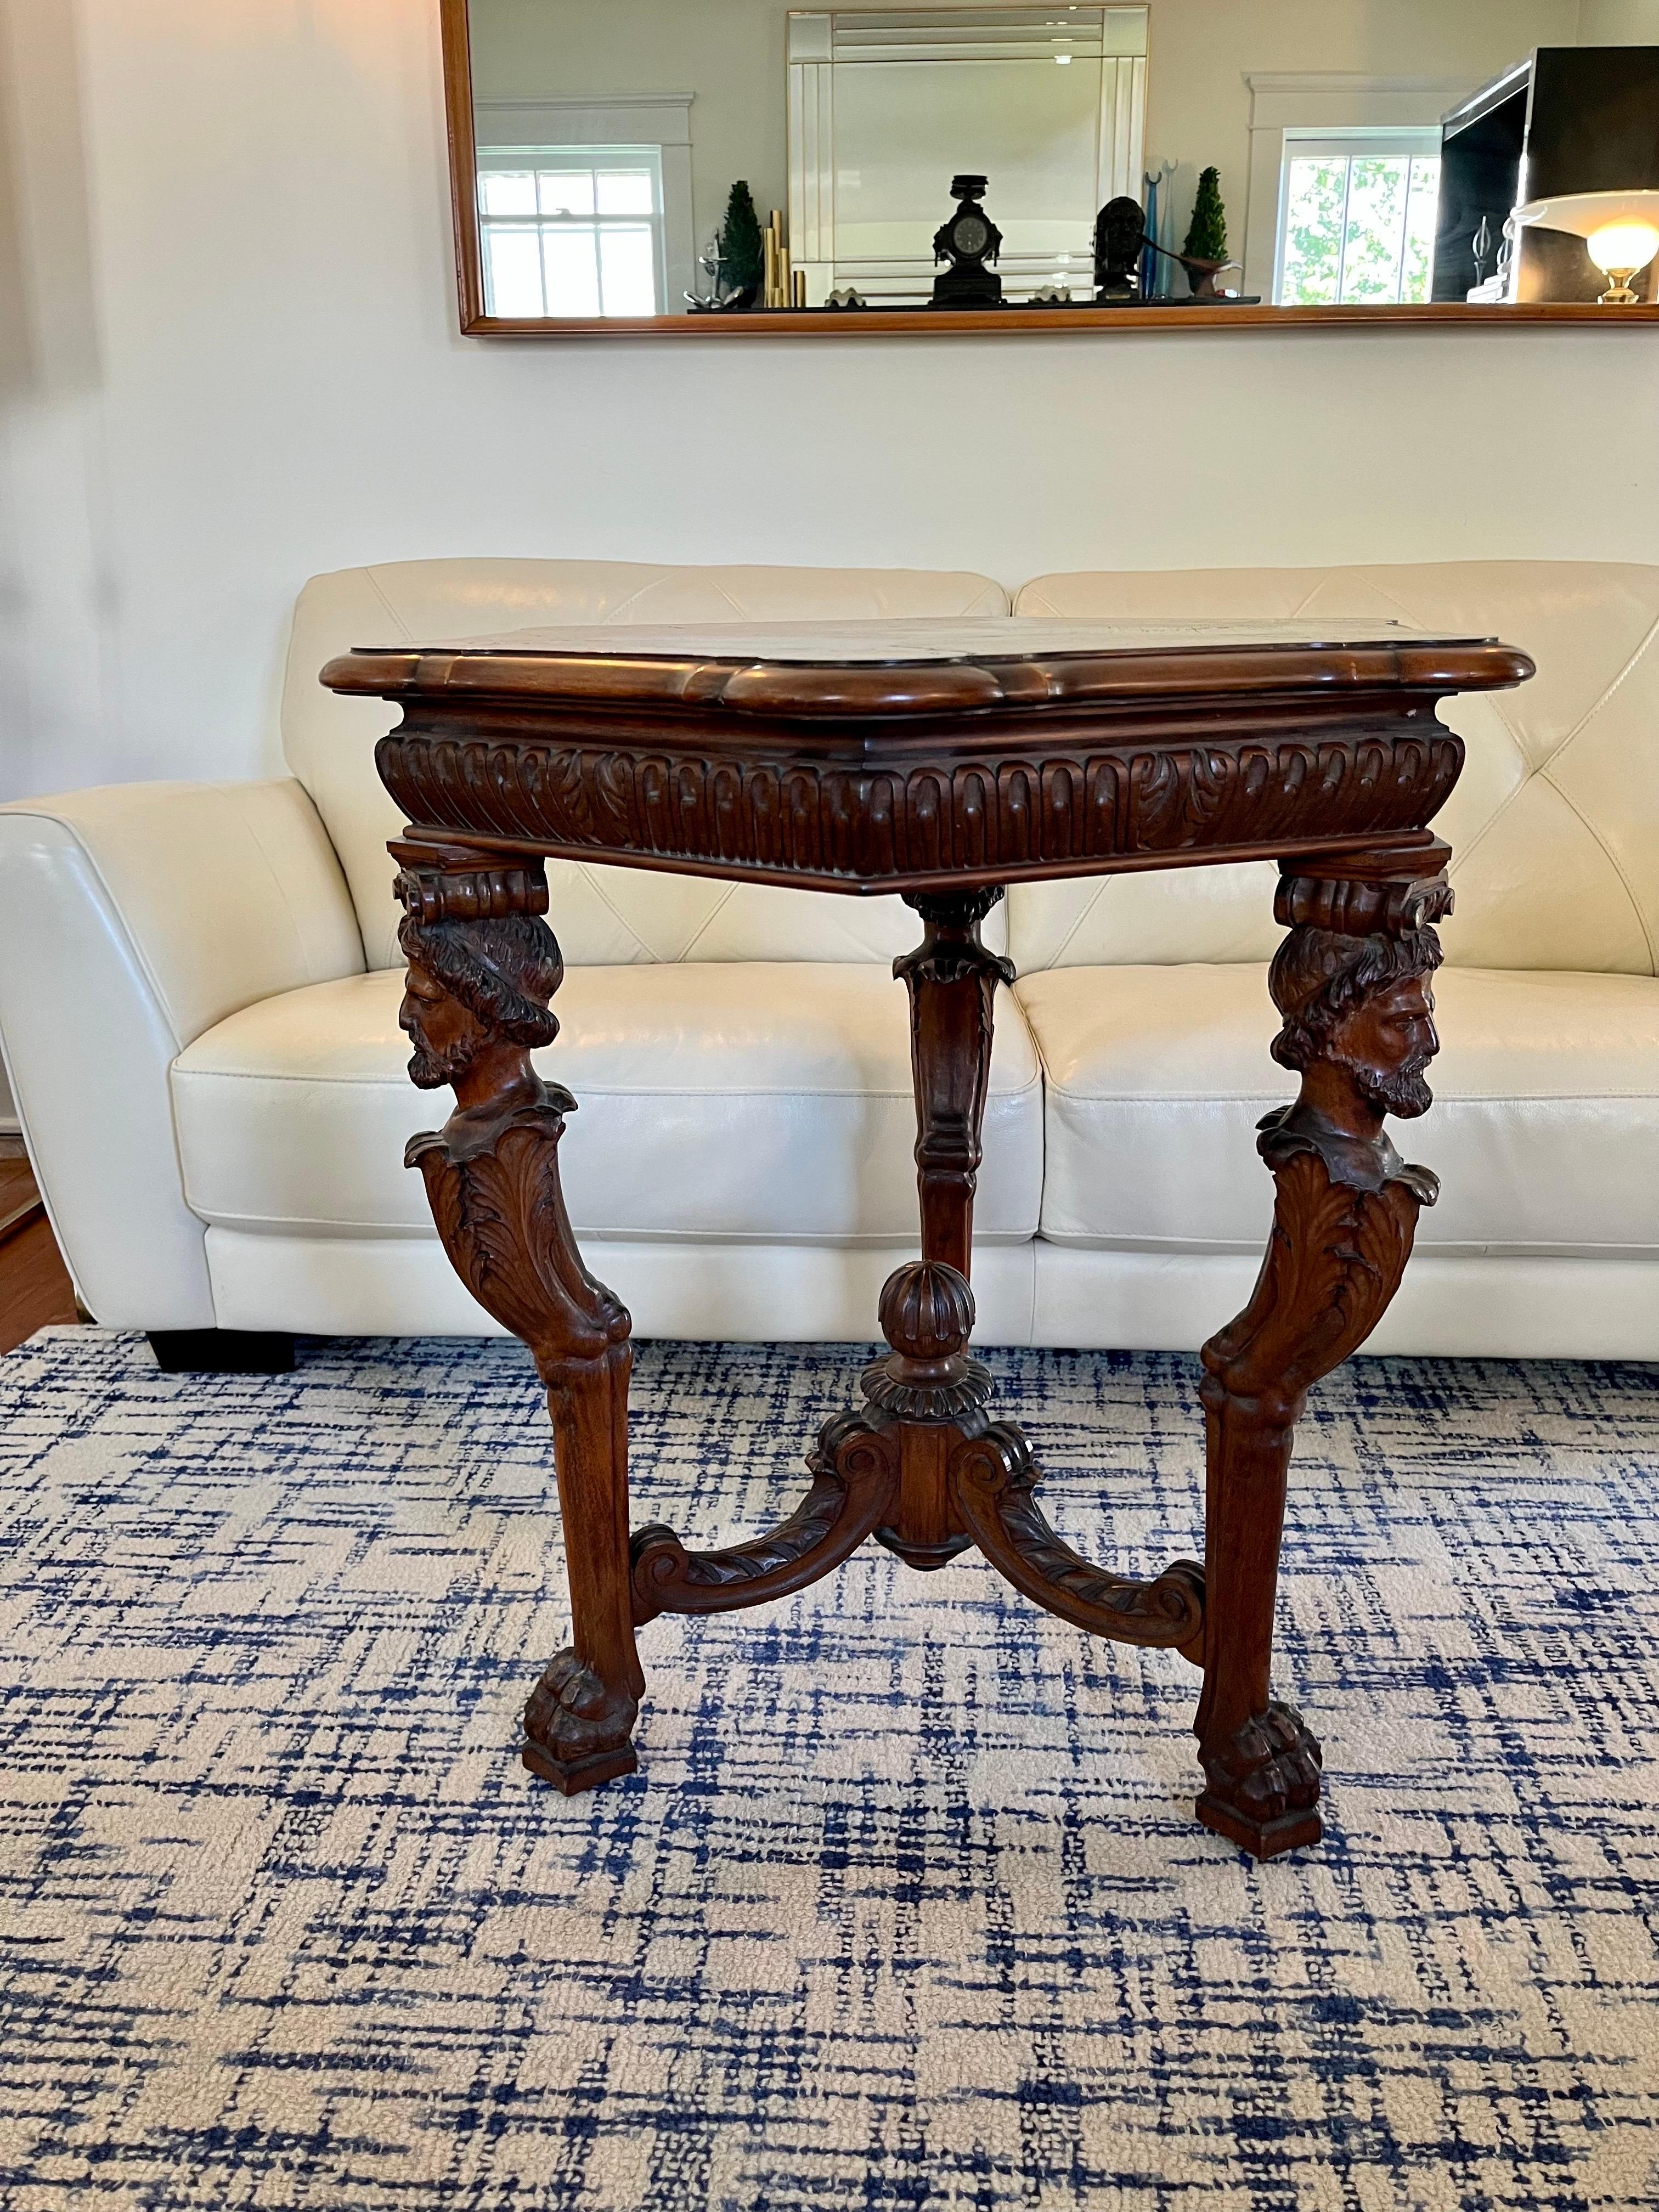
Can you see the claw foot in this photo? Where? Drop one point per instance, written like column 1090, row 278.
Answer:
column 576, row 1731
column 1263, row 1791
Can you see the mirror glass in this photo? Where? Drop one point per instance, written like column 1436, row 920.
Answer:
column 672, row 158
column 885, row 110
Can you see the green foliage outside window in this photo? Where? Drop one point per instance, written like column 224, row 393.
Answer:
column 1359, row 228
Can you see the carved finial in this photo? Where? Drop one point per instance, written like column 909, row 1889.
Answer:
column 928, row 1311
column 927, row 1318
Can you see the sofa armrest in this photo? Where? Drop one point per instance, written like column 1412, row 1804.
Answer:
column 132, row 920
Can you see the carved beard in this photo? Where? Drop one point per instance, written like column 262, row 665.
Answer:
column 430, row 1069
column 1403, row 1092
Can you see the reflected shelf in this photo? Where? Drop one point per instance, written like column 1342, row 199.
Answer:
column 1051, row 321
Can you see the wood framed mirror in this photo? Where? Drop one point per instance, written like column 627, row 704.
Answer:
column 594, row 150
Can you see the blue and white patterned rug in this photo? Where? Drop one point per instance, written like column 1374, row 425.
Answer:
column 905, row 1907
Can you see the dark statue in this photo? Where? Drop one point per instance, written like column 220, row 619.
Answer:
column 1120, row 240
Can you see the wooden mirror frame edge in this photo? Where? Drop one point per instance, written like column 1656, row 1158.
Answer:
column 931, row 322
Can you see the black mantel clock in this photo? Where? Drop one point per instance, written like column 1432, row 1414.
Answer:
column 968, row 241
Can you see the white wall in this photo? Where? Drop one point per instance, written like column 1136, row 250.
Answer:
column 1619, row 23
column 241, row 366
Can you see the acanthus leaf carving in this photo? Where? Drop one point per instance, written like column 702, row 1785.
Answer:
column 1011, row 814
column 1335, row 1257
column 483, row 969
column 500, row 1210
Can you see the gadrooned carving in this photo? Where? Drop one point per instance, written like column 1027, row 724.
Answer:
column 944, row 783
column 1013, row 815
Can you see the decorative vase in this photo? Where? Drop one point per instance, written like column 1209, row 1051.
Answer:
column 1201, row 276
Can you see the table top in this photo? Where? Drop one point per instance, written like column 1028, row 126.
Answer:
column 894, row 668
column 910, row 755
column 922, row 640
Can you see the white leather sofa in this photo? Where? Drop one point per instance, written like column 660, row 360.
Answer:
column 199, row 1007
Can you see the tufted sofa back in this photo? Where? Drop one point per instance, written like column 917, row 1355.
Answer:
column 1554, row 825
column 609, row 916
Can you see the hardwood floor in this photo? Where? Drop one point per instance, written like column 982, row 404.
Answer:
column 35, row 1290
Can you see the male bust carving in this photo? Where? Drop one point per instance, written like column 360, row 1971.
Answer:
column 476, row 1002
column 1358, row 1028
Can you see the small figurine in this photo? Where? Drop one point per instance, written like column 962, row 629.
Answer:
column 1124, row 245
column 709, row 262
column 1120, row 239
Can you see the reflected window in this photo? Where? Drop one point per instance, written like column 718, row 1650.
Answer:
column 1356, row 218
column 571, row 230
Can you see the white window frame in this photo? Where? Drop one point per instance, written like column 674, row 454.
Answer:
column 662, row 119
column 1330, row 102
column 590, row 161
column 1420, row 144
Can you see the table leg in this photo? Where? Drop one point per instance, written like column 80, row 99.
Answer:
column 926, row 1383
column 482, row 967
column 1351, row 983
column 964, row 1479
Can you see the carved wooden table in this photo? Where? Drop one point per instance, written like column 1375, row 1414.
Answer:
column 943, row 762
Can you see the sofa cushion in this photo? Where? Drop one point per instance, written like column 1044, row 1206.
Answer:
column 602, row 915
column 1553, row 825
column 753, row 1099
column 1544, row 1130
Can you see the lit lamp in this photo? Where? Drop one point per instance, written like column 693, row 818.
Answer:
column 1620, row 231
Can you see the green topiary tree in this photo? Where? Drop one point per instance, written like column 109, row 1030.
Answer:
column 1206, row 233
column 743, row 258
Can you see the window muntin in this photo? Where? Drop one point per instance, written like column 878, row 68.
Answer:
column 572, row 231
column 1356, row 218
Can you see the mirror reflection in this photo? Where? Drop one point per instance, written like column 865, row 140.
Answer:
column 738, row 157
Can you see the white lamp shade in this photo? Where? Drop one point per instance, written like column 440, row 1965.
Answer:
column 1588, row 215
